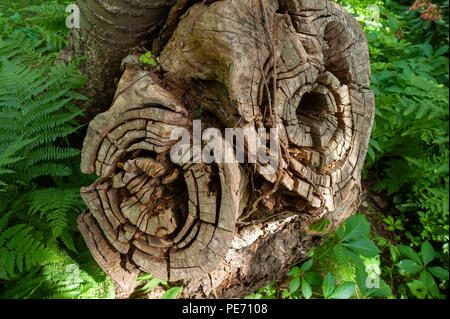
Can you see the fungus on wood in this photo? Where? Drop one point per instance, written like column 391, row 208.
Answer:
column 226, row 229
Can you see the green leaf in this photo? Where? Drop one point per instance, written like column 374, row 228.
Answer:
column 295, row 295
column 429, row 282
column 441, row 51
column 363, row 247
column 321, row 225
column 306, row 289
column 371, row 153
column 294, row 285
column 427, row 49
column 354, row 227
column 313, row 278
column 361, row 277
column 328, row 285
column 343, row 291
column 294, row 272
column 439, row 272
column 341, row 255
column 383, row 291
column 375, row 144
column 394, row 252
column 409, row 266
column 4, row 221
column 409, row 252
column 427, row 252
column 307, row 265
column 151, row 285
column 172, row 293
column 418, row 289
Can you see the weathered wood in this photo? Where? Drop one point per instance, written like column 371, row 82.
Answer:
column 165, row 219
column 325, row 108
column 300, row 66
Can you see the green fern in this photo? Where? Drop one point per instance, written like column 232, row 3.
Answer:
column 19, row 249
column 50, row 19
column 411, row 131
column 41, row 21
column 55, row 212
column 78, row 284
column 24, row 287
column 36, row 105
column 39, row 170
column 9, row 156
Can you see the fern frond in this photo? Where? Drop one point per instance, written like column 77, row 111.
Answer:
column 56, row 210
column 51, row 153
column 24, row 287
column 37, row 102
column 18, row 248
column 47, row 169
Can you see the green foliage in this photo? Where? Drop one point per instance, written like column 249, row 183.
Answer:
column 419, row 264
column 36, row 106
column 268, row 292
column 42, row 254
column 147, row 59
column 172, row 293
column 393, row 224
column 20, row 251
column 351, row 246
column 409, row 148
column 40, row 21
column 321, row 225
column 150, row 282
column 410, row 141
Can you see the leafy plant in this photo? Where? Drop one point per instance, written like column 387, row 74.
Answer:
column 40, row 181
column 147, row 59
column 350, row 245
column 20, row 251
column 150, row 283
column 268, row 292
column 330, row 291
column 321, row 225
column 172, row 293
column 409, row 148
column 40, row 21
column 419, row 264
column 393, row 224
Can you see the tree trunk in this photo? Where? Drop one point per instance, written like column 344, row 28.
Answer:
column 224, row 229
column 109, row 30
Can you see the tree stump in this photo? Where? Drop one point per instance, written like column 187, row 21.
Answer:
column 226, row 229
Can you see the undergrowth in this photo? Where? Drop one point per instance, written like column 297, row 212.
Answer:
column 43, row 255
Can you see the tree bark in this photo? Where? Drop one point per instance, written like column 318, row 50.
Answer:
column 109, row 30
column 226, row 229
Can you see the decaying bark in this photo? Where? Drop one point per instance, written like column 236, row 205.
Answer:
column 224, row 230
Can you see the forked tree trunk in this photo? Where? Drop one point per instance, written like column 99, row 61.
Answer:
column 226, row 229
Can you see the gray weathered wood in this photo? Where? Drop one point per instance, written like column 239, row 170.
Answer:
column 301, row 66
